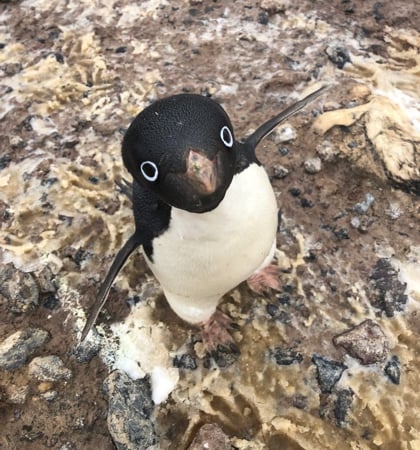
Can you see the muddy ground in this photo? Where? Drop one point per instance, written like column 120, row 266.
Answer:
column 73, row 75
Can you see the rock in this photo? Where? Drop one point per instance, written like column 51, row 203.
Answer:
column 67, row 446
column 15, row 350
column 49, row 368
column 392, row 370
column 49, row 396
column 17, row 394
column 285, row 356
column 46, row 281
column 362, row 207
column 223, row 356
column 280, row 172
column 18, row 288
column 361, row 223
column 389, row 292
column 338, row 54
column 327, row 151
column 86, row 350
column 343, row 405
column 312, row 165
column 210, row 437
column 328, row 372
column 129, row 409
column 185, row 362
column 284, row 133
column 366, row 342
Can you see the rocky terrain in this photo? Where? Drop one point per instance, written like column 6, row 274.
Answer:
column 329, row 362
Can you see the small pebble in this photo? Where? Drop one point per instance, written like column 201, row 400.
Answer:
column 394, row 211
column 185, row 361
column 388, row 291
column 15, row 349
column 280, row 172
column 366, row 342
column 17, row 394
column 295, row 191
column 392, row 370
column 306, row 203
column 285, row 356
column 19, row 288
column 328, row 372
column 343, row 405
column 210, row 437
column 49, row 368
column 312, row 165
column 223, row 356
column 49, row 396
column 362, row 207
column 283, row 151
column 338, row 54
column 326, row 151
column 284, row 133
column 86, row 350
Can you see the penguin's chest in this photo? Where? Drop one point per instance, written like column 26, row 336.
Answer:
column 206, row 255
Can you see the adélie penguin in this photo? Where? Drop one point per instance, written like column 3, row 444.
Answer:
column 204, row 210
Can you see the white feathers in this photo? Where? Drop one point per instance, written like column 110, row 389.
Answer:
column 203, row 256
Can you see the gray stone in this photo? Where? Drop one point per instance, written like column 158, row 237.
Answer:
column 49, row 368
column 366, row 342
column 210, row 437
column 15, row 349
column 392, row 370
column 285, row 356
column 18, row 288
column 342, row 405
column 362, row 207
column 312, row 165
column 328, row 372
column 129, row 409
column 49, row 396
column 388, row 291
column 17, row 394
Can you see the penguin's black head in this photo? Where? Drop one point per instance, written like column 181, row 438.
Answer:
column 183, row 149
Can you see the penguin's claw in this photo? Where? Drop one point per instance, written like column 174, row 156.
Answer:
column 265, row 279
column 215, row 332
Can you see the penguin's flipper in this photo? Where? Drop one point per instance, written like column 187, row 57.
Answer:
column 128, row 248
column 152, row 218
column 262, row 131
column 125, row 187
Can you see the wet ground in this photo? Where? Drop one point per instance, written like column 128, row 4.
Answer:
column 331, row 361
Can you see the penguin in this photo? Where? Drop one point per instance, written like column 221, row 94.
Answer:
column 205, row 213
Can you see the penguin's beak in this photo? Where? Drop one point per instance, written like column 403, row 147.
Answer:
column 202, row 172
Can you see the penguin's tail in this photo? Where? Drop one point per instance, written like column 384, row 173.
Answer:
column 253, row 140
column 119, row 260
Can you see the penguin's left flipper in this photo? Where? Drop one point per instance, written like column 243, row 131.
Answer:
column 151, row 218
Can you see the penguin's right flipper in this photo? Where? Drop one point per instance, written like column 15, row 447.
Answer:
column 152, row 218
column 125, row 187
column 122, row 256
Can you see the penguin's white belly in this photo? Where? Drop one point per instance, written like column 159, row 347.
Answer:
column 203, row 256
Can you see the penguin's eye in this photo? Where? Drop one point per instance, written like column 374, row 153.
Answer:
column 149, row 170
column 226, row 136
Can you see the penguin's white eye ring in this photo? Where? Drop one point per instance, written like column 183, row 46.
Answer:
column 149, row 170
column 226, row 136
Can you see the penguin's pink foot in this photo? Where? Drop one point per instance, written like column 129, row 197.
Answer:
column 215, row 332
column 264, row 279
